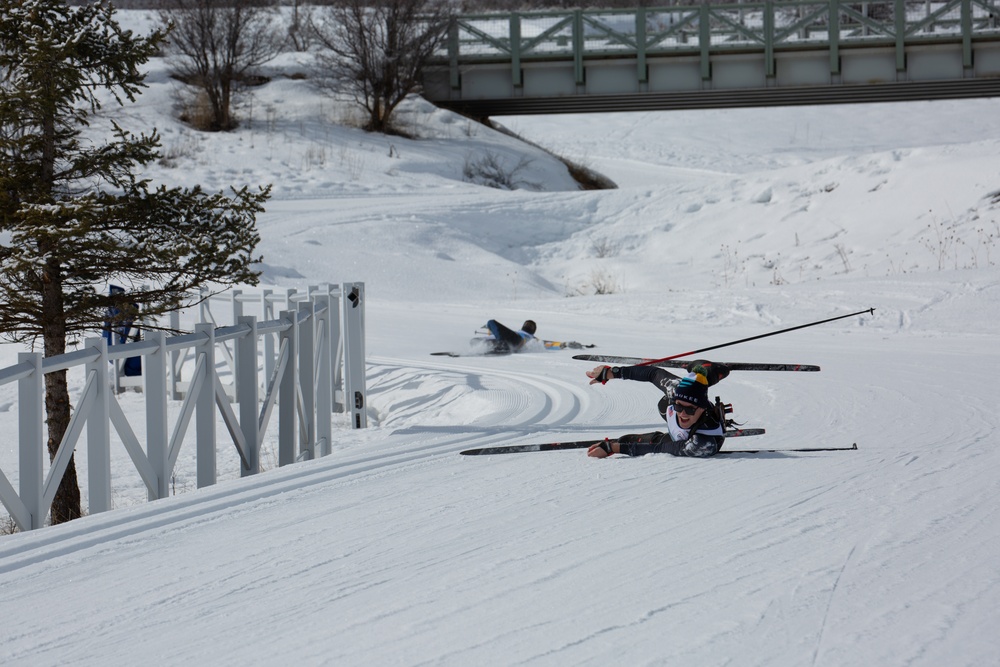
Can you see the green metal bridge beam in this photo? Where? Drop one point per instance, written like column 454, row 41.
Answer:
column 776, row 30
column 705, row 41
column 769, row 39
column 579, row 71
column 642, row 71
column 967, row 34
column 833, row 36
column 515, row 50
column 899, row 13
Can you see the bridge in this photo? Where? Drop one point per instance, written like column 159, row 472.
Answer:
column 771, row 53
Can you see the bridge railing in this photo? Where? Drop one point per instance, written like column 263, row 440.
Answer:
column 677, row 29
column 206, row 372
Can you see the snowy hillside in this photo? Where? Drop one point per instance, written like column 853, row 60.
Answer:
column 395, row 550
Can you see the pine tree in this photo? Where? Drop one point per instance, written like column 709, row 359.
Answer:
column 74, row 216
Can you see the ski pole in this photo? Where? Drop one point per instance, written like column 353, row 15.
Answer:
column 653, row 362
column 852, row 448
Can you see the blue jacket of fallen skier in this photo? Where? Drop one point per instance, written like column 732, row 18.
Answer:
column 508, row 340
column 693, row 426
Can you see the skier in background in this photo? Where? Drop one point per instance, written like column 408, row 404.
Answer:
column 508, row 340
column 694, row 426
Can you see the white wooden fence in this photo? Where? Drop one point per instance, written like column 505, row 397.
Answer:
column 311, row 364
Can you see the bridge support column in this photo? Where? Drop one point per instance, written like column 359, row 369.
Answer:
column 968, row 69
column 769, row 43
column 454, row 74
column 705, row 42
column 579, row 72
column 833, row 23
column 642, row 69
column 515, row 51
column 899, row 11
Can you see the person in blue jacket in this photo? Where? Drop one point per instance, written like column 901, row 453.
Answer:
column 694, row 427
column 508, row 340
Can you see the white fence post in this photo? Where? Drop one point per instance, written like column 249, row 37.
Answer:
column 336, row 347
column 205, row 410
column 237, row 309
column 204, row 309
column 324, row 373
column 30, row 401
column 154, row 372
column 176, row 359
column 267, row 314
column 306, row 380
column 99, row 430
column 354, row 353
column 247, row 395
column 287, row 392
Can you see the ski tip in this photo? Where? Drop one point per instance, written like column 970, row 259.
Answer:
column 742, row 432
column 471, row 452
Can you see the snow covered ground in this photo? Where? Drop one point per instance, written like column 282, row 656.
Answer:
column 395, row 550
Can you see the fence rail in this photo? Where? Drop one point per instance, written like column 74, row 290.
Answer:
column 311, row 364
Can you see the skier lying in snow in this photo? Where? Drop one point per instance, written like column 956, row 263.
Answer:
column 693, row 427
column 508, row 340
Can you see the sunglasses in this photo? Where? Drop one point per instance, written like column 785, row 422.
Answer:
column 685, row 409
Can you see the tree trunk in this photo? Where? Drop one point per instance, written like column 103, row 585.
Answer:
column 225, row 117
column 66, row 505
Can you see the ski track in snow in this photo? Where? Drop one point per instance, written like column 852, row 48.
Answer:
column 858, row 554
column 523, row 403
column 815, row 586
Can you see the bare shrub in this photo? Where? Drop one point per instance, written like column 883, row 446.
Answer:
column 183, row 149
column 843, row 254
column 196, row 109
column 604, row 248
column 493, row 171
column 603, row 282
column 7, row 525
column 600, row 282
column 214, row 46
column 375, row 50
column 940, row 241
column 732, row 265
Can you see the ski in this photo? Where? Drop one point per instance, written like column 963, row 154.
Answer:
column 491, row 353
column 579, row 444
column 681, row 363
column 563, row 345
column 518, row 449
column 585, row 444
column 852, row 448
column 549, row 345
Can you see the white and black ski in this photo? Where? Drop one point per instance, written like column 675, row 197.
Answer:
column 683, row 363
column 578, row 444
